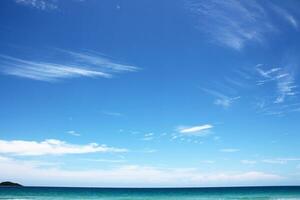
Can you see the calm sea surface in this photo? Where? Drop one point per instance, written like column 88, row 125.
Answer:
column 45, row 193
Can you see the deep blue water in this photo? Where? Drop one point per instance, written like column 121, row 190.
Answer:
column 46, row 193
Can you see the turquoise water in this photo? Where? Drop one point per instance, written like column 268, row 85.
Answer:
column 46, row 193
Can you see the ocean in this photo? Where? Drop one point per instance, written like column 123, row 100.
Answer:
column 61, row 193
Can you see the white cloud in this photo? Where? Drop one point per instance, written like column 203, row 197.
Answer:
column 106, row 160
column 229, row 150
column 240, row 83
column 74, row 133
column 39, row 4
column 77, row 65
column 128, row 175
column 232, row 23
column 235, row 23
column 96, row 59
column 271, row 161
column 208, row 161
column 150, row 151
column 280, row 160
column 286, row 88
column 274, row 161
column 149, row 134
column 248, row 162
column 51, row 147
column 200, row 130
column 114, row 114
column 195, row 128
column 225, row 102
column 284, row 80
column 221, row 99
column 3, row 158
column 148, row 137
column 43, row 71
column 268, row 73
column 285, row 15
column 217, row 138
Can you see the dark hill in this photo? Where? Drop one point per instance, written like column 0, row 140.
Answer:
column 10, row 184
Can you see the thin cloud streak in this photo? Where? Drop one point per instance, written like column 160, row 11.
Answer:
column 74, row 133
column 195, row 128
column 229, row 150
column 280, row 160
column 272, row 161
column 105, row 160
column 114, row 114
column 248, row 162
column 99, row 60
column 85, row 65
column 285, row 15
column 148, row 137
column 201, row 130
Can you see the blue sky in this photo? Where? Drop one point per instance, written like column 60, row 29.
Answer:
column 149, row 93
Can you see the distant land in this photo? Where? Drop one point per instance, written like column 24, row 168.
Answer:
column 10, row 184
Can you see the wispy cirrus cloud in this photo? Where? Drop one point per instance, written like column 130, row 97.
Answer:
column 38, row 4
column 235, row 23
column 44, row 71
column 255, row 83
column 200, row 130
column 226, row 102
column 285, row 15
column 232, row 23
column 222, row 100
column 74, row 65
column 283, row 79
column 96, row 59
column 52, row 147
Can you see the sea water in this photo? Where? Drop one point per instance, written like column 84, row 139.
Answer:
column 250, row 193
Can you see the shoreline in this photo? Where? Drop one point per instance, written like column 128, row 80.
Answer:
column 158, row 188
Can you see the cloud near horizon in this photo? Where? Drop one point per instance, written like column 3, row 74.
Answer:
column 52, row 147
column 127, row 175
